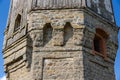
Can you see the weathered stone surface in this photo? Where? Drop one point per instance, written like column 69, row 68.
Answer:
column 58, row 69
column 56, row 38
column 57, row 4
column 102, row 7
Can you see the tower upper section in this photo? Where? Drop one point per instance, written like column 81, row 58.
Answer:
column 101, row 7
column 23, row 7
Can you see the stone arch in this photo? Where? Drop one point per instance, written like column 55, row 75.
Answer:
column 17, row 23
column 68, row 32
column 102, row 32
column 47, row 33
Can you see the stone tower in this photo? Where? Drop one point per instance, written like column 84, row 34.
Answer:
column 60, row 40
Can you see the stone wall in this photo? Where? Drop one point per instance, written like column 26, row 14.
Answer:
column 57, row 51
column 97, row 67
column 102, row 7
column 20, row 74
column 58, row 44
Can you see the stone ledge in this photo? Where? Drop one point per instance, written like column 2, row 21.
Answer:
column 13, row 45
column 58, row 49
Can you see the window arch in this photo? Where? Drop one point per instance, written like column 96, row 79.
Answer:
column 99, row 42
column 47, row 33
column 68, row 32
column 17, row 23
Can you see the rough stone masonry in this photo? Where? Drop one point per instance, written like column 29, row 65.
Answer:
column 60, row 40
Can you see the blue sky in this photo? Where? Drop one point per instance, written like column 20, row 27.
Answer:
column 4, row 6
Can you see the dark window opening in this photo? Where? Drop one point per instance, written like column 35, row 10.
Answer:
column 68, row 32
column 99, row 42
column 17, row 23
column 47, row 33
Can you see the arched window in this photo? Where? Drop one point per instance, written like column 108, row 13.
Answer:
column 17, row 23
column 99, row 42
column 68, row 32
column 47, row 33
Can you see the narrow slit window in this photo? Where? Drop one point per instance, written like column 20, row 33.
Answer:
column 97, row 43
column 17, row 23
column 47, row 33
column 68, row 32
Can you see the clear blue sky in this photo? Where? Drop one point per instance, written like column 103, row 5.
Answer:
column 4, row 6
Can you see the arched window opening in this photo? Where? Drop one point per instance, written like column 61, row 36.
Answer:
column 17, row 23
column 47, row 33
column 68, row 32
column 99, row 42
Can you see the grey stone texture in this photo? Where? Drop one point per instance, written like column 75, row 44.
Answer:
column 55, row 40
